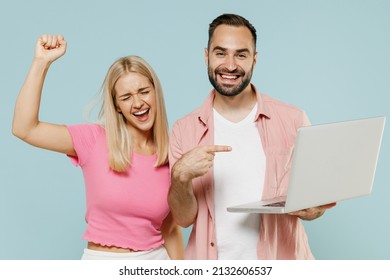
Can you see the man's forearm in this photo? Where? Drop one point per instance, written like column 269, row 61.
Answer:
column 182, row 201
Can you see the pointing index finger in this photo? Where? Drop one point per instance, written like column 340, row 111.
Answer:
column 218, row 148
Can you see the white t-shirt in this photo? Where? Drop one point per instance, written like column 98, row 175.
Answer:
column 238, row 178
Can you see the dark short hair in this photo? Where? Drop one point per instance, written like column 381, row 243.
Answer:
column 233, row 20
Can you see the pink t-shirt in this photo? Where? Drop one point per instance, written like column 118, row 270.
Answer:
column 123, row 209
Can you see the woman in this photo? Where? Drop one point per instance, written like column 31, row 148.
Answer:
column 124, row 158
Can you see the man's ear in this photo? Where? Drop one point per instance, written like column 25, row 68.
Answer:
column 255, row 58
column 206, row 56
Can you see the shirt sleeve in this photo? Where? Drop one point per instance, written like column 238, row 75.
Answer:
column 84, row 139
column 175, row 150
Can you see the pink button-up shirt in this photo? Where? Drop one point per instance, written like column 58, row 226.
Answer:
column 280, row 236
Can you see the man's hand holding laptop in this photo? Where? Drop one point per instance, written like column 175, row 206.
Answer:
column 312, row 213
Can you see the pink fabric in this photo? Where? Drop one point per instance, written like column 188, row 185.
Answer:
column 123, row 209
column 281, row 236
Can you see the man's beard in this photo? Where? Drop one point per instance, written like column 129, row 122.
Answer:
column 229, row 90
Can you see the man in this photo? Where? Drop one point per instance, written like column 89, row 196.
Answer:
column 236, row 147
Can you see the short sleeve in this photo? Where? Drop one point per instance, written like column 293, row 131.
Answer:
column 175, row 151
column 84, row 137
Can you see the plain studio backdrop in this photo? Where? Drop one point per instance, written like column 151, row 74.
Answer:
column 331, row 58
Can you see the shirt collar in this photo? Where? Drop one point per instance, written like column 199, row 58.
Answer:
column 207, row 107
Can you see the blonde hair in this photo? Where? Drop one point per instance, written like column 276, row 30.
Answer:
column 118, row 138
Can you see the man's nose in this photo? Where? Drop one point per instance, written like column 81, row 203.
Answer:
column 231, row 64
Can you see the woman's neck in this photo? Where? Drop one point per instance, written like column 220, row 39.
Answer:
column 142, row 142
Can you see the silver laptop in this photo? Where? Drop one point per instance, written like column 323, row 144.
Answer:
column 331, row 162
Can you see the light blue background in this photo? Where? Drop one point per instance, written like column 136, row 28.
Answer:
column 331, row 58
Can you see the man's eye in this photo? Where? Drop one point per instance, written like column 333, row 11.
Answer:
column 145, row 92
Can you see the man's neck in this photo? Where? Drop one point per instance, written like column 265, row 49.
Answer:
column 235, row 108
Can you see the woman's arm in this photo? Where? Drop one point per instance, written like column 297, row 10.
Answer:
column 26, row 124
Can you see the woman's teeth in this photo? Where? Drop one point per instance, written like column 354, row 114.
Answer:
column 140, row 112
